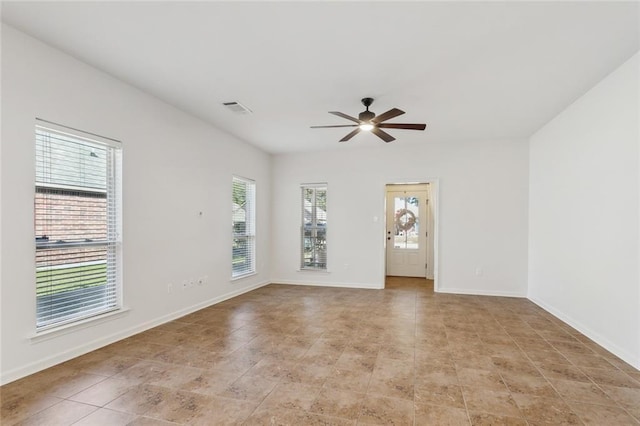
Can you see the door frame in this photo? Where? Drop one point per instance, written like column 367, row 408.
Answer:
column 434, row 189
column 408, row 266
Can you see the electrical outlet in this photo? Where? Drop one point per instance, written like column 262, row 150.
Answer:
column 169, row 288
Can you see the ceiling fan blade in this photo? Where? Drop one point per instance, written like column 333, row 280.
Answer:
column 382, row 134
column 343, row 115
column 402, row 126
column 350, row 135
column 339, row 125
column 387, row 115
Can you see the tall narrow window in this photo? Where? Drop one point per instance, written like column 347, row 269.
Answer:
column 314, row 227
column 76, row 225
column 243, row 257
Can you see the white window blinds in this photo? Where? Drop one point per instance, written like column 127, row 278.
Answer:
column 244, row 227
column 76, row 225
column 314, row 227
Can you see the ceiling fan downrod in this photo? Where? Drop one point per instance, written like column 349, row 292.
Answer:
column 366, row 115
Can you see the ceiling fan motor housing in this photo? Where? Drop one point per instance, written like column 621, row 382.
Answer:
column 366, row 116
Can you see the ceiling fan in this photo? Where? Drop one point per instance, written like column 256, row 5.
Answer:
column 368, row 121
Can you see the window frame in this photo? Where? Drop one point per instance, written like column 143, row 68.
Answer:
column 112, row 243
column 249, row 233
column 314, row 228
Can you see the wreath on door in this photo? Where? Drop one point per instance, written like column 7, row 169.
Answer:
column 405, row 219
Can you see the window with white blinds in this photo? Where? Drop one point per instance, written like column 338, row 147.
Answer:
column 77, row 225
column 314, row 227
column 244, row 227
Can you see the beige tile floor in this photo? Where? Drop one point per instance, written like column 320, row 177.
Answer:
column 288, row 355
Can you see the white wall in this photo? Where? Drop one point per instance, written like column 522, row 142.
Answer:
column 174, row 167
column 482, row 209
column 583, row 214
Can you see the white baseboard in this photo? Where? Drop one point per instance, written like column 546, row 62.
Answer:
column 317, row 283
column 17, row 373
column 478, row 292
column 621, row 353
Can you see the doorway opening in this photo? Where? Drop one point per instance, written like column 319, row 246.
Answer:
column 410, row 231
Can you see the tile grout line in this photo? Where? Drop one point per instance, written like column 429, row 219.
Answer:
column 591, row 381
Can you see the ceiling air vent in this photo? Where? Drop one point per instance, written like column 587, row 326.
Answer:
column 237, row 108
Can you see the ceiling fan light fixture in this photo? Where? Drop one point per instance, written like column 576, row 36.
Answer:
column 367, row 127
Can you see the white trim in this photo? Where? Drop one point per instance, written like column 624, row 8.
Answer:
column 17, row 373
column 249, row 213
column 482, row 292
column 314, row 209
column 239, row 277
column 75, row 325
column 621, row 353
column 329, row 284
column 434, row 192
column 314, row 185
column 48, row 326
column 245, row 179
column 88, row 136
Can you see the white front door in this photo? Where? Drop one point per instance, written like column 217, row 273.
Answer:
column 406, row 232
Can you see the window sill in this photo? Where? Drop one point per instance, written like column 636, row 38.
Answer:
column 322, row 271
column 239, row 277
column 52, row 333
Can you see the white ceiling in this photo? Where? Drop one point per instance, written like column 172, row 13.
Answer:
column 472, row 70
